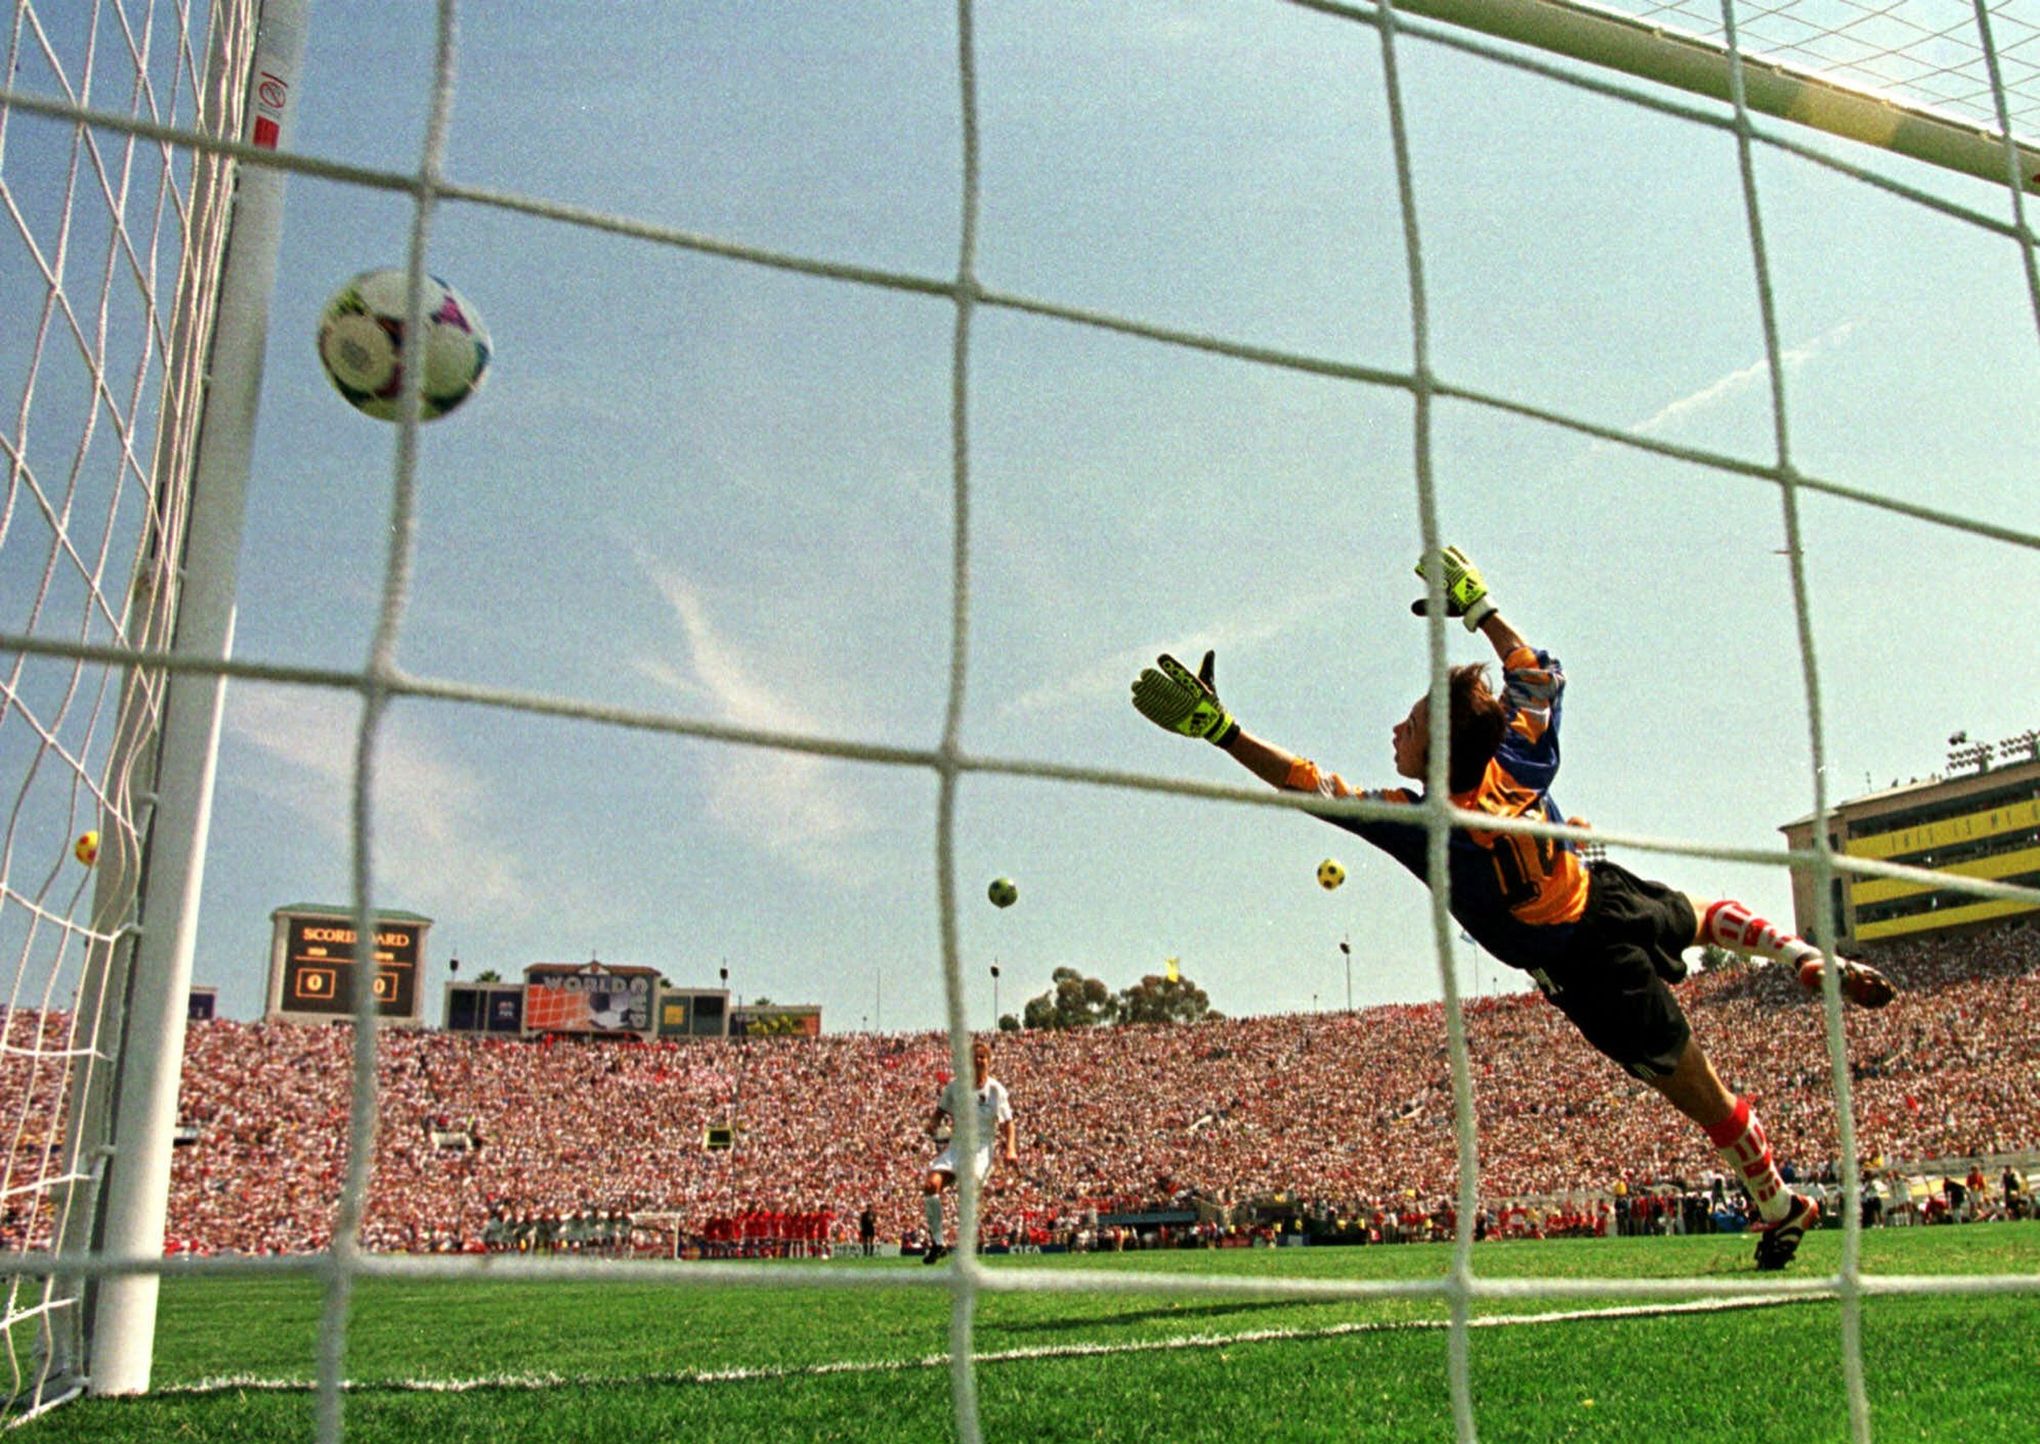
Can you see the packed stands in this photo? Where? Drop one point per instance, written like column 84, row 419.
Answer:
column 513, row 1144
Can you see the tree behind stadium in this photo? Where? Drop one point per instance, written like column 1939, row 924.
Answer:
column 1072, row 1001
column 1156, row 999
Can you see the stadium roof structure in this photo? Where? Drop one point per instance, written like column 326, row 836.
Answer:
column 1982, row 824
column 593, row 965
column 1882, row 794
column 2017, row 757
column 346, row 910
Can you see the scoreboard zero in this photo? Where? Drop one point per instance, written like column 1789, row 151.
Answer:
column 318, row 961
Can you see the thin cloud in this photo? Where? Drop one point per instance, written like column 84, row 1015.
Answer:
column 1735, row 383
column 431, row 820
column 1109, row 677
column 793, row 805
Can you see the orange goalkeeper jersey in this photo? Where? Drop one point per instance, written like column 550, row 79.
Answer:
column 1518, row 896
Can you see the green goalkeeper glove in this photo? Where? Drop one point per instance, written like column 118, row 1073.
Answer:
column 1466, row 593
column 1185, row 702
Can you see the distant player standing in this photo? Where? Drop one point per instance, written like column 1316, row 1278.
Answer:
column 994, row 1118
column 1601, row 942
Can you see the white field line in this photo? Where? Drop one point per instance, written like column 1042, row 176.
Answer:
column 232, row 1383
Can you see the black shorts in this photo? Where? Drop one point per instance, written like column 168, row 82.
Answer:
column 1614, row 982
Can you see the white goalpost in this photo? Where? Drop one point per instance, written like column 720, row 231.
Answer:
column 138, row 162
column 1912, row 78
column 254, row 71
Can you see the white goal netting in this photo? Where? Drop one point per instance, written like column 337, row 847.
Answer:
column 96, row 178
column 109, row 265
column 1924, row 52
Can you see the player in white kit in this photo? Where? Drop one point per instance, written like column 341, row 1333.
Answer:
column 994, row 1119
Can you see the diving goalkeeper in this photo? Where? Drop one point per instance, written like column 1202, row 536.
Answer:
column 1602, row 943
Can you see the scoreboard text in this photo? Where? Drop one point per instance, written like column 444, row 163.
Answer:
column 320, row 958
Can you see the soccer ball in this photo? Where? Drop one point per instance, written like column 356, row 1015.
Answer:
column 1002, row 892
column 1330, row 874
column 86, row 848
column 361, row 345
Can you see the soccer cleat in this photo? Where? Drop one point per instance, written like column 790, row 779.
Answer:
column 1862, row 984
column 1777, row 1242
column 934, row 1252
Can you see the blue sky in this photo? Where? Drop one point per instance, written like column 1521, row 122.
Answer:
column 723, row 492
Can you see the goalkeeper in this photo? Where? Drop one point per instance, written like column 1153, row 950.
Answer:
column 1602, row 943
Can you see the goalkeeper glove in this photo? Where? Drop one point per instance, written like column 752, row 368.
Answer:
column 1466, row 593
column 1183, row 701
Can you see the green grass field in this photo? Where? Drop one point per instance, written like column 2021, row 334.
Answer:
column 1178, row 1369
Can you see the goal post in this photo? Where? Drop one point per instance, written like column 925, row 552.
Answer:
column 1652, row 50
column 120, row 1339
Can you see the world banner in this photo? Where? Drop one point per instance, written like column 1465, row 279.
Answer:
column 589, row 998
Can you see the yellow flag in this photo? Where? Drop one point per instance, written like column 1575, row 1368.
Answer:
column 1175, row 974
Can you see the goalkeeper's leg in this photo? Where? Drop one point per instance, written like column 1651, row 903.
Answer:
column 1727, row 923
column 1737, row 1134
column 1622, row 1004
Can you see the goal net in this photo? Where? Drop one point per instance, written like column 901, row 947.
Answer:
column 1934, row 80
column 111, row 255
column 118, row 144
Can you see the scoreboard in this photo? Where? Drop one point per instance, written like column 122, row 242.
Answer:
column 314, row 964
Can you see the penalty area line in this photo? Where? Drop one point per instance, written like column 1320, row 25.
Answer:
column 226, row 1384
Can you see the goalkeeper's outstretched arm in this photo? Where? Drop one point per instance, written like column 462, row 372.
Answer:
column 1506, row 639
column 1170, row 695
column 1264, row 759
column 1173, row 697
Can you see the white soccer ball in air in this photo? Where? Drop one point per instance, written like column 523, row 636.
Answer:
column 361, row 345
column 1330, row 874
column 1002, row 892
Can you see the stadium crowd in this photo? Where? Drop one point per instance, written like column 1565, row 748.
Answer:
column 512, row 1144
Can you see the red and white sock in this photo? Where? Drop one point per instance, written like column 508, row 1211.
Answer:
column 1735, row 927
column 1740, row 1140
